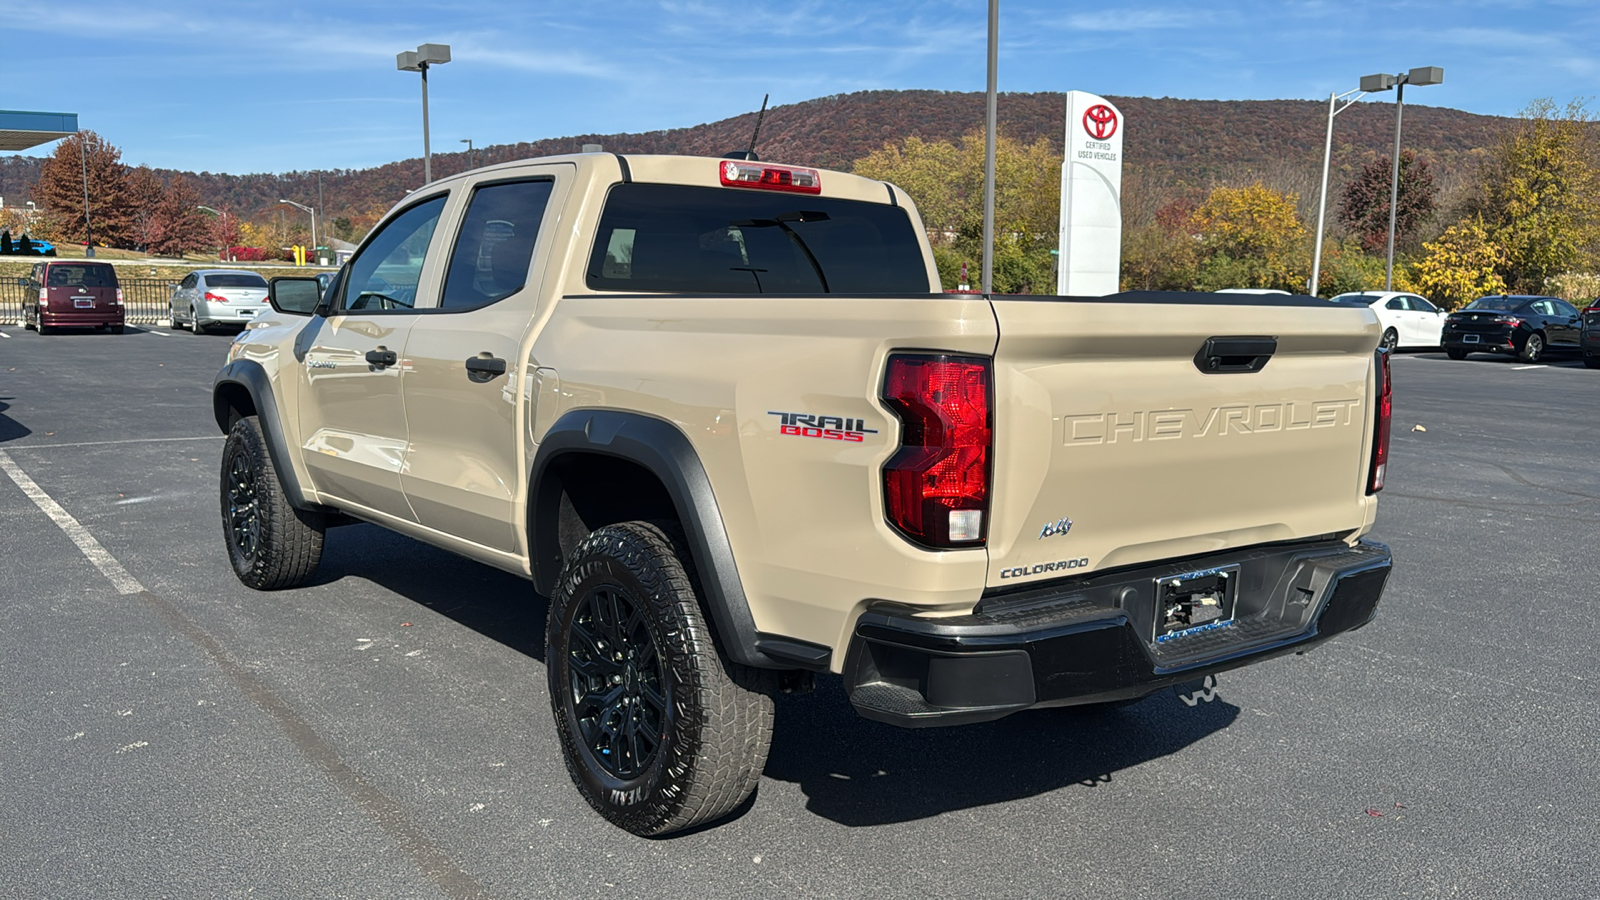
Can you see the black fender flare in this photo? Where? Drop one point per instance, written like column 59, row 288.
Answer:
column 665, row 451
column 253, row 379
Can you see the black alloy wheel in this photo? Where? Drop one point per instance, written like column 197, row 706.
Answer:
column 242, row 517
column 619, row 694
column 1532, row 348
column 271, row 544
column 1390, row 339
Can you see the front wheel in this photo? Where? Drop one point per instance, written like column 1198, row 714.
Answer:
column 271, row 544
column 1532, row 348
column 659, row 731
column 1454, row 353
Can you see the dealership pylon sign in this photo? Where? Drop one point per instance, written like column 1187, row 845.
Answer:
column 1091, row 198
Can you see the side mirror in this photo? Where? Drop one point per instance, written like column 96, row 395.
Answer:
column 294, row 295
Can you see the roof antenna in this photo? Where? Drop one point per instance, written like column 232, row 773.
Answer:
column 751, row 153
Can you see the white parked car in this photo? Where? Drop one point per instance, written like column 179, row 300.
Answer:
column 217, row 297
column 1407, row 320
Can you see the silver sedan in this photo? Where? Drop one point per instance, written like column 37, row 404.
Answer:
column 210, row 297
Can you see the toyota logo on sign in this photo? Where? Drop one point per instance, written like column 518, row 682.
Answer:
column 1100, row 121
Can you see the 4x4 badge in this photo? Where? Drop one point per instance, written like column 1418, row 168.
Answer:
column 1060, row 527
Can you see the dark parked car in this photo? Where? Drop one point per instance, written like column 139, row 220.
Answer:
column 72, row 294
column 1590, row 334
column 1525, row 326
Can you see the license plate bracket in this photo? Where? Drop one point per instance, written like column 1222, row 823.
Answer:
column 83, row 302
column 1194, row 601
column 1469, row 339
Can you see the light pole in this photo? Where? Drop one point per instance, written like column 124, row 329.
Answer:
column 221, row 245
column 313, row 213
column 83, row 162
column 471, row 161
column 1322, row 204
column 989, row 147
column 1424, row 75
column 419, row 60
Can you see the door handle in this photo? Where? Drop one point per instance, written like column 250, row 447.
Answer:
column 382, row 358
column 483, row 368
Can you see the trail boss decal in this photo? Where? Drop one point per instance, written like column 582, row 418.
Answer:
column 828, row 428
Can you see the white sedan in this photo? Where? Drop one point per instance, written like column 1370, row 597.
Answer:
column 1407, row 320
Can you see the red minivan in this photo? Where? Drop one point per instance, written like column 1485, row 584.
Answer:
column 72, row 294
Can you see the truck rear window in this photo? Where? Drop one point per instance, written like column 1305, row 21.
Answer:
column 705, row 240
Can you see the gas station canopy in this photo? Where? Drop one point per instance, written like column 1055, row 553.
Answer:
column 22, row 130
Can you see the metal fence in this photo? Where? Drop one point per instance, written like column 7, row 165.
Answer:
column 144, row 300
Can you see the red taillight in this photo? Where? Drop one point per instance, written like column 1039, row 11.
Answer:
column 215, row 298
column 936, row 487
column 1380, row 428
column 736, row 173
column 1513, row 321
column 119, row 296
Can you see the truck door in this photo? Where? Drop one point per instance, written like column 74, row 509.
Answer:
column 465, row 391
column 352, row 419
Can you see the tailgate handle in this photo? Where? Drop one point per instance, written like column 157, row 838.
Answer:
column 1224, row 355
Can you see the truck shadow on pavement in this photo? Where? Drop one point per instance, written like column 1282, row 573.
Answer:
column 852, row 770
column 496, row 604
column 860, row 773
column 10, row 429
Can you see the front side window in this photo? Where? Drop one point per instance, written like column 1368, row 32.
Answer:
column 491, row 258
column 707, row 240
column 385, row 273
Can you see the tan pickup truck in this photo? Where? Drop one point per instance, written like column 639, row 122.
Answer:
column 719, row 413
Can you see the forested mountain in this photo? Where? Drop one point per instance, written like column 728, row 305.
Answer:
column 1177, row 142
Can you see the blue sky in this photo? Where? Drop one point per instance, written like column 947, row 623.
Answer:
column 244, row 87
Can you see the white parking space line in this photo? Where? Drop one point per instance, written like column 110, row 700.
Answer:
column 98, row 555
column 1520, row 368
column 209, row 437
column 4, row 335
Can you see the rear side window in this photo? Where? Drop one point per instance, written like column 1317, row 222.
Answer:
column 491, row 258
column 83, row 276
column 242, row 280
column 705, row 240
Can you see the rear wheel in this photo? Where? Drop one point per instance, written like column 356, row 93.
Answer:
column 41, row 327
column 1532, row 348
column 1390, row 339
column 27, row 323
column 116, row 329
column 194, row 322
column 1454, row 353
column 271, row 544
column 1591, row 362
column 659, row 731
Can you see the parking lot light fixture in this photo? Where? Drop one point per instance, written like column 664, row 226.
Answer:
column 313, row 212
column 221, row 245
column 419, row 60
column 1421, row 76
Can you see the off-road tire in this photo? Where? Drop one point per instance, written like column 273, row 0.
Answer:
column 715, row 715
column 1456, row 354
column 271, row 544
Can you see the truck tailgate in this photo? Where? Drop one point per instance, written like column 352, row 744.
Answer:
column 1110, row 417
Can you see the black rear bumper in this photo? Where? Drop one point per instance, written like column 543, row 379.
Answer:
column 1094, row 640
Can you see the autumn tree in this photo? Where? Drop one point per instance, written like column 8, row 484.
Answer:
column 1161, row 254
column 1541, row 194
column 145, row 193
column 1462, row 265
column 60, row 190
column 946, row 182
column 1364, row 204
column 180, row 224
column 1250, row 237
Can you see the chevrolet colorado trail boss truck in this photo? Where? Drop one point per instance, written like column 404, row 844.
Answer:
column 719, row 413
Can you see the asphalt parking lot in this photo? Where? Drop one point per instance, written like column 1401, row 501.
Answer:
column 167, row 732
